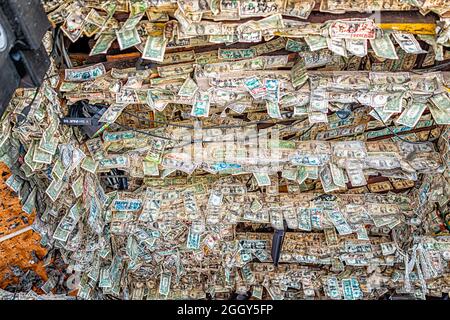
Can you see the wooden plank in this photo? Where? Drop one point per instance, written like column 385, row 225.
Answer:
column 412, row 17
column 15, row 233
column 123, row 56
column 415, row 28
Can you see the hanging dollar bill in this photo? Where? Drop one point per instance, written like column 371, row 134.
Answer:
column 236, row 54
column 339, row 222
column 67, row 224
column 299, row 9
column 327, row 179
column 337, row 45
column 333, row 288
column 440, row 108
column 74, row 25
column 408, row 43
column 154, row 49
column 188, row 89
column 103, row 44
column 411, row 115
column 127, row 205
column 201, row 105
column 381, row 115
column 298, row 73
column 150, row 168
column 273, row 110
column 316, row 42
column 128, row 38
column 394, row 103
column 357, row 47
column 14, row 182
column 164, row 284
column 262, row 179
column 112, row 113
column 338, row 175
column 383, row 47
column 255, row 87
column 132, row 21
column 85, row 74
column 352, row 29
column 296, row 46
column 54, row 189
column 304, row 219
column 193, row 240
column 347, row 289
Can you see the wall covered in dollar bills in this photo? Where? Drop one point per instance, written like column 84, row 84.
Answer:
column 172, row 139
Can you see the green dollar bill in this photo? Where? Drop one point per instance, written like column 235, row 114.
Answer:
column 236, row 54
column 164, row 284
column 383, row 47
column 54, row 189
column 273, row 110
column 77, row 186
column 201, row 105
column 128, row 38
column 316, row 42
column 150, row 168
column 298, row 73
column 49, row 142
column 40, row 156
column 440, row 108
column 296, row 46
column 89, row 164
column 154, row 49
column 347, row 288
column 262, row 179
column 30, row 203
column 84, row 74
column 411, row 115
column 188, row 89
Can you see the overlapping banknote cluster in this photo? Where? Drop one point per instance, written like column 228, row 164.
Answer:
column 439, row 7
column 254, row 85
column 246, row 75
column 154, row 26
column 232, row 131
column 202, row 235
